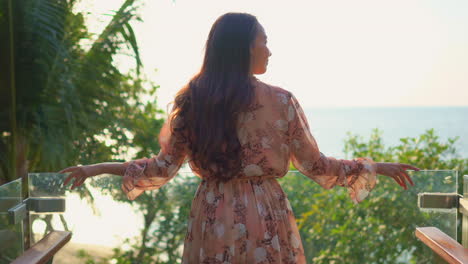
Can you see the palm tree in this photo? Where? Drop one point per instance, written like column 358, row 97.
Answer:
column 62, row 98
column 65, row 103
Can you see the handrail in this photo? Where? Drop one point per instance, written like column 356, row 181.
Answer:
column 45, row 249
column 443, row 245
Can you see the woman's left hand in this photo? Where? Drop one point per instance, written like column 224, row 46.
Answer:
column 396, row 171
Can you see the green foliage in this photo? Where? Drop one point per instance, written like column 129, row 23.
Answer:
column 425, row 151
column 73, row 105
column 380, row 229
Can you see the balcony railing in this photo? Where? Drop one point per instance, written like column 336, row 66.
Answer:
column 101, row 218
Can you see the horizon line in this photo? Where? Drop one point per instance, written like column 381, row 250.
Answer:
column 386, row 106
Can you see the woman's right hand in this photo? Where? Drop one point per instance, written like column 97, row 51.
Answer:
column 80, row 174
column 396, row 171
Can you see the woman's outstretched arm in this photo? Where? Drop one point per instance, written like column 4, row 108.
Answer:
column 357, row 175
column 140, row 174
column 81, row 173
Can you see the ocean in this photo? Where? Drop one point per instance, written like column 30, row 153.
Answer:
column 329, row 126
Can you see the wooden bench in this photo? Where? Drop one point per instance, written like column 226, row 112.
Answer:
column 443, row 245
column 45, row 249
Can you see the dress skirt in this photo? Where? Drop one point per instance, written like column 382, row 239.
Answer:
column 242, row 221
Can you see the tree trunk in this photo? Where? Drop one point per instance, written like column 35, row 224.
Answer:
column 149, row 219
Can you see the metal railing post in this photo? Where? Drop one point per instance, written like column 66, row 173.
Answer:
column 463, row 209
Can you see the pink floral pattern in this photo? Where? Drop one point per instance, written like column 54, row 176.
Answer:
column 249, row 219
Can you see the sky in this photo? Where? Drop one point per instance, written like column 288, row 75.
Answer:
column 360, row 53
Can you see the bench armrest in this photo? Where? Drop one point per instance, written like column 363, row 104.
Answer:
column 446, row 247
column 45, row 249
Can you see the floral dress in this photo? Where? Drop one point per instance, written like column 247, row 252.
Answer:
column 249, row 219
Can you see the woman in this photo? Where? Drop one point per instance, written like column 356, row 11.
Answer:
column 239, row 135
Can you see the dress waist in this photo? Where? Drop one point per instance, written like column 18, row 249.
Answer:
column 241, row 179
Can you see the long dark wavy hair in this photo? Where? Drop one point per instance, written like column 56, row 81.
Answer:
column 211, row 102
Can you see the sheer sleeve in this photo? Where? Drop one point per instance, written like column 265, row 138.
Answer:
column 357, row 175
column 152, row 173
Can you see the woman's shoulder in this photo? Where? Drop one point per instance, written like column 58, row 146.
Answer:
column 275, row 90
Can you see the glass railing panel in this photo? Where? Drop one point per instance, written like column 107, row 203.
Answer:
column 438, row 183
column 93, row 217
column 464, row 212
column 11, row 234
column 45, row 186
